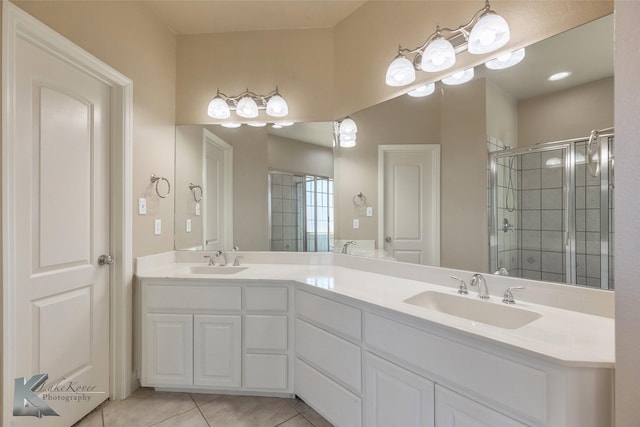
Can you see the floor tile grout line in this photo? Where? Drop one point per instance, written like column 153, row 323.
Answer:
column 175, row 414
column 200, row 410
column 287, row 420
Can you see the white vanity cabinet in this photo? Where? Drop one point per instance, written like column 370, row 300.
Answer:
column 328, row 366
column 216, row 335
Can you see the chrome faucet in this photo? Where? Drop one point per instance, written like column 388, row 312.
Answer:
column 507, row 298
column 224, row 258
column 483, row 290
column 211, row 262
column 345, row 248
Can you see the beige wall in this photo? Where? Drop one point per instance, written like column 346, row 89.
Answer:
column 570, row 113
column 627, row 249
column 502, row 115
column 128, row 38
column 300, row 63
column 288, row 155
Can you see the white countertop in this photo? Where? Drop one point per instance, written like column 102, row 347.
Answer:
column 567, row 337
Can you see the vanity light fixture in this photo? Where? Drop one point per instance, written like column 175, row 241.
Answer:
column 230, row 125
column 459, row 78
column 506, row 60
column 257, row 124
column 559, row 76
column 484, row 33
column 247, row 105
column 345, row 133
column 421, row 91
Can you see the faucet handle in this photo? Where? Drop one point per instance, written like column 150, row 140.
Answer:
column 211, row 259
column 236, row 263
column 507, row 298
column 462, row 288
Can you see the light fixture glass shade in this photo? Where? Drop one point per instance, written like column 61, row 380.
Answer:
column 348, row 141
column 459, row 78
column 553, row 162
column 247, row 108
column 285, row 124
column 505, row 61
column 559, row 76
column 277, row 106
column 257, row 124
column 218, row 109
column 400, row 72
column 230, row 125
column 439, row 55
column 348, row 127
column 424, row 90
column 491, row 32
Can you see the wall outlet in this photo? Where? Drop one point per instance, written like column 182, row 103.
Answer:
column 197, row 209
column 142, row 206
column 157, row 227
column 356, row 223
column 369, row 211
column 188, row 225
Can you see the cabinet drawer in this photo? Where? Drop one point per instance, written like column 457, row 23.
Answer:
column 341, row 407
column 269, row 299
column 332, row 315
column 186, row 297
column 265, row 333
column 330, row 354
column 266, row 371
column 499, row 382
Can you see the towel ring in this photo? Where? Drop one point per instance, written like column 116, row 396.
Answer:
column 193, row 188
column 359, row 200
column 155, row 179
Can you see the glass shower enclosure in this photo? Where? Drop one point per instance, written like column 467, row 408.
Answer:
column 551, row 211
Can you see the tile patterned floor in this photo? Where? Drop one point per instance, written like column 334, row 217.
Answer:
column 147, row 407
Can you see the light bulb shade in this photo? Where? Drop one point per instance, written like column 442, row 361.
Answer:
column 247, row 108
column 257, row 124
column 400, row 72
column 348, row 141
column 491, row 32
column 348, row 127
column 553, row 162
column 505, row 61
column 424, row 90
column 438, row 55
column 277, row 106
column 218, row 108
column 459, row 78
column 230, row 125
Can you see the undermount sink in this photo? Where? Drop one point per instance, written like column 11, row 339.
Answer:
column 470, row 308
column 216, row 269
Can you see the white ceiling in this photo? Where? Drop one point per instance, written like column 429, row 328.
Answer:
column 219, row 16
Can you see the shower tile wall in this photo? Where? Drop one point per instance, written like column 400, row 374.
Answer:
column 541, row 210
column 285, row 233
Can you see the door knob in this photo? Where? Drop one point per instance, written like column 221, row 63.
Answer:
column 387, row 239
column 105, row 259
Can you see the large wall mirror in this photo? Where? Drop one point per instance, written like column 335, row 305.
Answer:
column 501, row 116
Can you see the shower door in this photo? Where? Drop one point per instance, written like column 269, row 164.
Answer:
column 551, row 218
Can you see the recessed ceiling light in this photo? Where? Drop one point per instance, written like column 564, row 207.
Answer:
column 424, row 90
column 559, row 76
column 230, row 125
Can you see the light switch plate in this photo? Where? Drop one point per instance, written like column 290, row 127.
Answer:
column 142, row 206
column 197, row 209
column 369, row 211
column 157, row 229
column 188, row 226
column 356, row 223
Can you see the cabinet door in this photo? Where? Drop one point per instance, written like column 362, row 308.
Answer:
column 396, row 397
column 454, row 410
column 217, row 351
column 167, row 350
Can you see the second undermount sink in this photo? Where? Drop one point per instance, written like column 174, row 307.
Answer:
column 216, row 269
column 473, row 309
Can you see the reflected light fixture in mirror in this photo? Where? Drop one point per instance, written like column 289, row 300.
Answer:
column 247, row 105
column 346, row 132
column 459, row 78
column 506, row 60
column 485, row 32
column 559, row 76
column 421, row 91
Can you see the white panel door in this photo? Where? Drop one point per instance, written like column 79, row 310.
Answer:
column 411, row 195
column 218, row 188
column 454, row 410
column 168, row 350
column 396, row 397
column 61, row 175
column 217, row 348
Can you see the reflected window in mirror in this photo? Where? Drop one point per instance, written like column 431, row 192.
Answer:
column 301, row 208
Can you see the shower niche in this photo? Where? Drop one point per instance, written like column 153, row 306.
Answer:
column 551, row 211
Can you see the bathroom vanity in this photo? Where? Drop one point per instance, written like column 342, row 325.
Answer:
column 370, row 349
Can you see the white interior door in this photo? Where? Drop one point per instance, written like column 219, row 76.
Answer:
column 61, row 176
column 410, row 195
column 218, row 188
